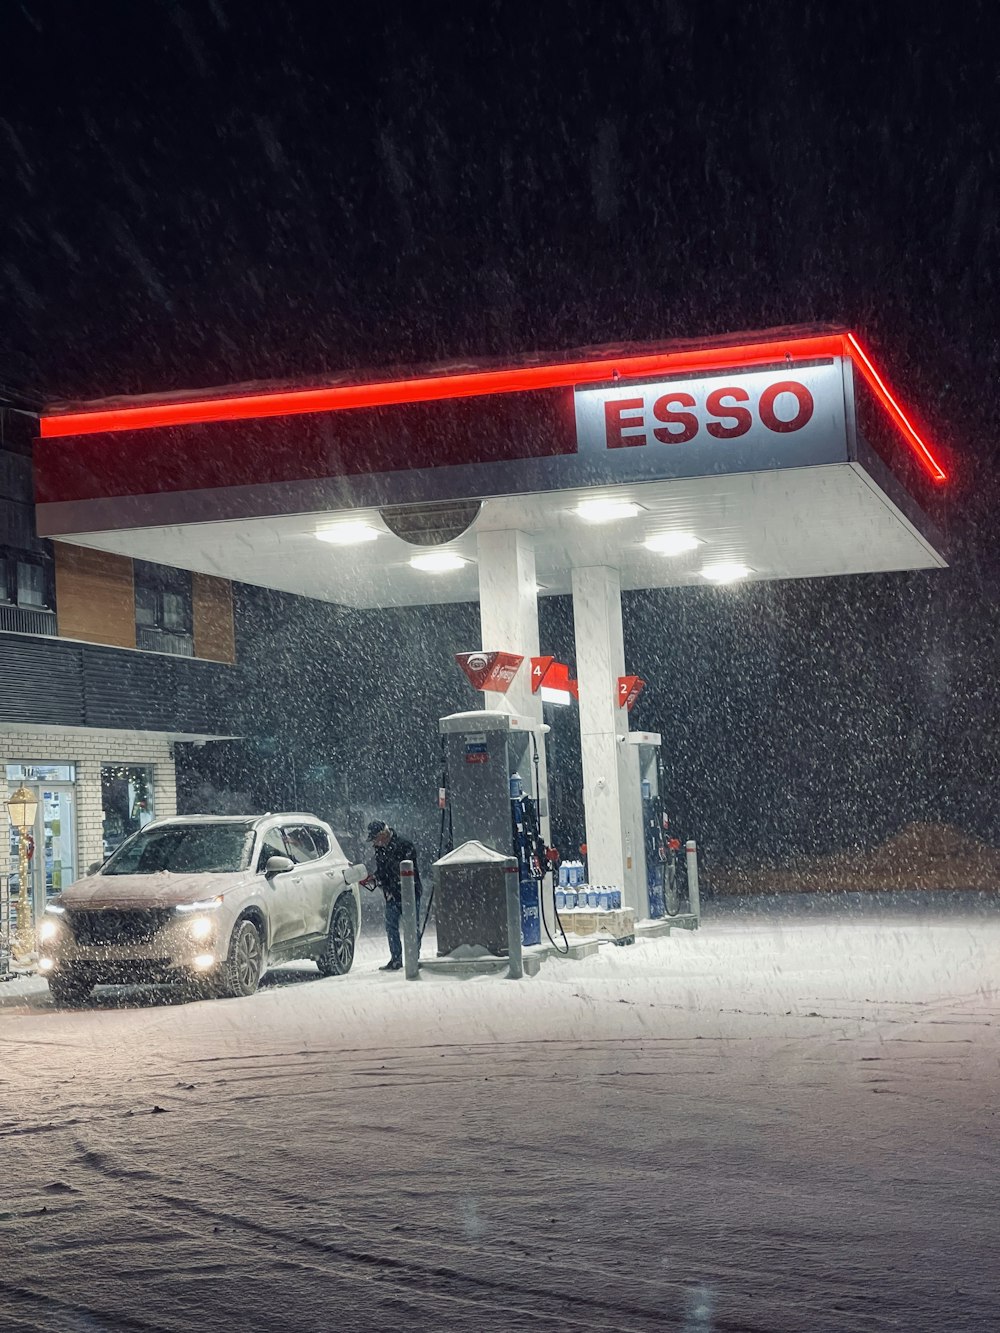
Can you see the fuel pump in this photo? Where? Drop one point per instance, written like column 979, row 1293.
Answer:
column 493, row 797
column 662, row 848
column 529, row 849
column 659, row 859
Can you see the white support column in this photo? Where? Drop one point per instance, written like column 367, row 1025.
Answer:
column 508, row 614
column 612, row 800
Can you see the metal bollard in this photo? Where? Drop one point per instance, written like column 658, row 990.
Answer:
column 411, row 944
column 694, row 899
column 515, row 964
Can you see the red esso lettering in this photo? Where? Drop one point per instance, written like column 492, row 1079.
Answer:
column 686, row 421
column 625, row 422
column 615, row 426
column 803, row 411
column 739, row 416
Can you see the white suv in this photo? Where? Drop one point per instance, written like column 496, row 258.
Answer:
column 205, row 898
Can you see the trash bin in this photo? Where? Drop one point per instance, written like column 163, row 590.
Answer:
column 470, row 899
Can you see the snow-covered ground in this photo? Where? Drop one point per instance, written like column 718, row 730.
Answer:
column 775, row 1124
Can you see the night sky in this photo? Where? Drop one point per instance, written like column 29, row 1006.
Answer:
column 202, row 193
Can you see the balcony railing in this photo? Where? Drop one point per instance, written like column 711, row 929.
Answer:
column 22, row 620
column 161, row 641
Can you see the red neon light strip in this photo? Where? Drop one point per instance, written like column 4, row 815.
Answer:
column 295, row 402
column 885, row 397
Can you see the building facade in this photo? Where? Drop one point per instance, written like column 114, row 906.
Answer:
column 106, row 666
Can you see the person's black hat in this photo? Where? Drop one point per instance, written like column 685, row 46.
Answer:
column 376, row 827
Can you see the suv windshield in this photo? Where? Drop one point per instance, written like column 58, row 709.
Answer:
column 184, row 849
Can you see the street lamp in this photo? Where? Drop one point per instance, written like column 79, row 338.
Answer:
column 21, row 810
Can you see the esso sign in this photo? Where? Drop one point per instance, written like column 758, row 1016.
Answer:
column 750, row 408
column 676, row 416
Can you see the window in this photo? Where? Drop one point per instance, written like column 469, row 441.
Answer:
column 126, row 801
column 163, row 608
column 320, row 839
column 51, row 846
column 184, row 849
column 26, row 580
column 176, row 613
column 31, row 590
column 147, row 607
column 272, row 844
column 300, row 844
column 18, row 774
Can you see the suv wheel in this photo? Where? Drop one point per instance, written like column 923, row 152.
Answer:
column 337, row 957
column 245, row 961
column 69, row 986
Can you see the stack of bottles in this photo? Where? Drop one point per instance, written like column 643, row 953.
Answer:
column 589, row 897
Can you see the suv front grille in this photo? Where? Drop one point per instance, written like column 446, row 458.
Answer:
column 117, row 926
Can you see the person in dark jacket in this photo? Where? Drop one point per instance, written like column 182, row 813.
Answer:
column 390, row 852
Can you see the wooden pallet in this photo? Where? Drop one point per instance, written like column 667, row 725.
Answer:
column 616, row 925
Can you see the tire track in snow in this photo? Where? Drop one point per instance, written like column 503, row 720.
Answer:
column 637, row 1174
column 423, row 1276
column 47, row 1303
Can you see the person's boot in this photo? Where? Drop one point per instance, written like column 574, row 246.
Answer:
column 390, row 966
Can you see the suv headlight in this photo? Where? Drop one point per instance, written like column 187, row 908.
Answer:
column 48, row 930
column 201, row 927
column 207, row 905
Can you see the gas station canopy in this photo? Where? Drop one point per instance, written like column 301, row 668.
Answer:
column 762, row 456
column 780, row 454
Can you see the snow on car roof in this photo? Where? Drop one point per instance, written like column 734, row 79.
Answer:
column 234, row 819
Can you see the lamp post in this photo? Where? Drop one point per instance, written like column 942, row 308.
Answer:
column 21, row 810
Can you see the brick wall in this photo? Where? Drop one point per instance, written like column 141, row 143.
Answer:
column 88, row 749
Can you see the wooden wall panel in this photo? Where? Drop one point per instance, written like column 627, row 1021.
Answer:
column 95, row 596
column 212, row 606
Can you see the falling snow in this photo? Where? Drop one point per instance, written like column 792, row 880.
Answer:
column 784, row 1123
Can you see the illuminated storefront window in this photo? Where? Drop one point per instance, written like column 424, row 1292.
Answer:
column 126, row 801
column 51, row 848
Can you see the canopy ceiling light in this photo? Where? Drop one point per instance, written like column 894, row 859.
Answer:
column 606, row 511
column 672, row 543
column 725, row 571
column 438, row 562
column 348, row 534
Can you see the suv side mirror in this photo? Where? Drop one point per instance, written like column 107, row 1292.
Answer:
column 355, row 874
column 277, row 865
column 94, row 867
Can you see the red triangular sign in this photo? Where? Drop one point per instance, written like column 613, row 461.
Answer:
column 539, row 667
column 489, row 670
column 629, row 689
